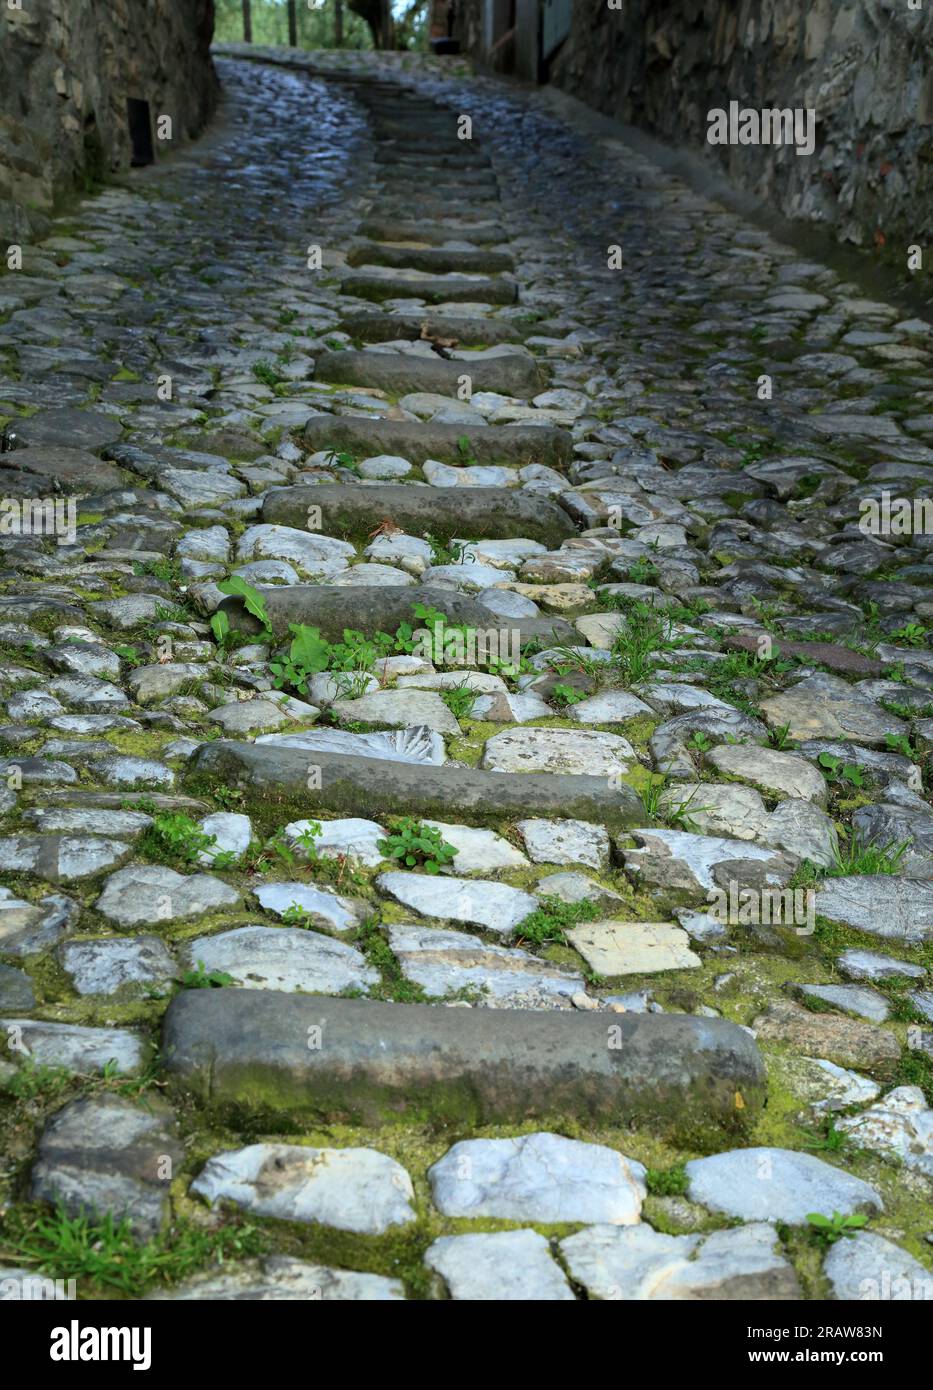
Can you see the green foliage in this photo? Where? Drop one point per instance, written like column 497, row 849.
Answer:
column 342, row 459
column 104, row 1251
column 827, row 1230
column 178, row 837
column 220, row 627
column 912, row 634
column 252, row 598
column 900, row 743
column 450, row 552
column 460, row 700
column 417, row 845
column 129, row 654
column 32, row 1079
column 563, row 695
column 547, row 924
column 835, row 770
column 202, row 978
column 637, row 646
column 465, row 450
column 667, row 1182
column 855, row 858
column 266, row 373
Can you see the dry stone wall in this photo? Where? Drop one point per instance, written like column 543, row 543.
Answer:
column 67, row 68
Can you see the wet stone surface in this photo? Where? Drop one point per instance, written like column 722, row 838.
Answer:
column 614, row 596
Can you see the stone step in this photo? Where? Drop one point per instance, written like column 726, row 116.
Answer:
column 350, row 785
column 428, row 207
column 432, row 260
column 466, row 329
column 481, row 513
column 434, row 289
column 251, row 1052
column 399, row 179
column 400, row 373
column 511, row 444
column 382, row 608
column 380, row 228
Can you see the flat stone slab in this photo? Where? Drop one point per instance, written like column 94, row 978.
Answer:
column 149, row 893
column 348, row 785
column 446, row 962
column 480, row 514
column 640, row 1264
column 699, row 863
column 355, row 838
column 828, row 707
column 414, row 745
column 29, row 928
column 502, row 1267
column 899, row 1126
column 540, row 1178
column 850, row 999
column 466, row 328
column 565, row 842
column 868, row 1268
column 248, row 1048
column 841, row 660
column 433, row 289
column 321, row 908
column 400, row 709
column 63, row 428
column 633, row 948
column 401, row 373
column 846, row 1041
column 518, row 444
column 350, row 1189
column 278, row 1278
column 384, row 607
column 61, row 858
column 106, row 1154
column 65, row 470
column 869, row 965
column 85, row 1051
column 880, row 904
column 475, row 902
column 774, row 773
column 764, row 1184
column 129, row 965
column 17, row 993
column 283, row 958
column 571, row 752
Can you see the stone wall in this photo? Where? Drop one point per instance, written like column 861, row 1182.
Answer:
column 865, row 66
column 67, row 68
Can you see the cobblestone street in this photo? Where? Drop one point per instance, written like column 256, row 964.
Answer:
column 466, row 607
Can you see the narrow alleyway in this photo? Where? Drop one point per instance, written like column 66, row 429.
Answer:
column 465, row 788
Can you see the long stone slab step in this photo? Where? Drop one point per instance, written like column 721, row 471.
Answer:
column 463, row 330
column 428, row 209
column 433, row 260
column 400, row 373
column 480, row 513
column 434, row 289
column 383, row 608
column 402, row 178
column 380, row 228
column 349, row 785
column 265, row 1054
column 416, row 441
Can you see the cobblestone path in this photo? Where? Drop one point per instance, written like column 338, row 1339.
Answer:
column 465, row 607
